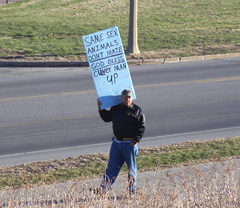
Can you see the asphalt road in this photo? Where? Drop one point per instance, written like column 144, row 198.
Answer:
column 50, row 113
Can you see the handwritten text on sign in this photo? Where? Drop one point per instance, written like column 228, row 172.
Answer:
column 108, row 65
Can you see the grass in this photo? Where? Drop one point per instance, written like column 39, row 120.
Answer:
column 90, row 166
column 215, row 185
column 42, row 28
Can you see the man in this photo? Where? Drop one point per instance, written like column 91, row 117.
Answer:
column 128, row 123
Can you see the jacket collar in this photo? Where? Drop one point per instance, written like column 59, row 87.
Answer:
column 126, row 107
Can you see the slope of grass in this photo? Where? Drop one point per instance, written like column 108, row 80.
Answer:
column 54, row 28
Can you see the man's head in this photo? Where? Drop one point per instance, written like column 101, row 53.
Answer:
column 126, row 97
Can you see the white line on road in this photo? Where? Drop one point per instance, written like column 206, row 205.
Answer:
column 196, row 133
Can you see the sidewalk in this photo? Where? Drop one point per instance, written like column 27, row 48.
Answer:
column 3, row 2
column 130, row 62
column 210, row 178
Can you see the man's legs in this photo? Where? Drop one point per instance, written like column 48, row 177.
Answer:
column 130, row 154
column 115, row 163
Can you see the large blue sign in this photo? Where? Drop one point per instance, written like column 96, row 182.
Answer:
column 108, row 65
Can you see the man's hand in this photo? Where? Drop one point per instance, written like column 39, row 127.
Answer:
column 133, row 144
column 99, row 103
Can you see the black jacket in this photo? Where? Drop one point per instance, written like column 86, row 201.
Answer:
column 127, row 121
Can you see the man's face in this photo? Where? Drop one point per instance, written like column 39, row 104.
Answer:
column 126, row 100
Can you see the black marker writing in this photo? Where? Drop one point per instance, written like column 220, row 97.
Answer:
column 103, row 46
column 112, row 78
column 102, row 72
column 94, row 39
column 95, row 57
column 120, row 67
column 112, row 33
column 115, row 51
column 97, row 65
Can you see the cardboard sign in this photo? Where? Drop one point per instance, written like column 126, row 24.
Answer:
column 108, row 65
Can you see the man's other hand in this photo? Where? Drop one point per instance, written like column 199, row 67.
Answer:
column 99, row 103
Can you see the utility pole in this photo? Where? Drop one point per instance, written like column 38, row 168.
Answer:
column 133, row 32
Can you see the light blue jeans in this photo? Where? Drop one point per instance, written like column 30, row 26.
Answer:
column 120, row 152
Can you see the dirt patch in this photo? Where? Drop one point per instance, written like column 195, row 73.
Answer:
column 163, row 53
column 185, row 52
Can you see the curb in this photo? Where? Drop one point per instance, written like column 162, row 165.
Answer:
column 43, row 63
column 130, row 62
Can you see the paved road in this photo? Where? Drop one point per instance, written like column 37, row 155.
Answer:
column 51, row 113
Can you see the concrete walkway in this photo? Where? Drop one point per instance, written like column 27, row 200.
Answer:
column 2, row 2
column 210, row 178
column 130, row 62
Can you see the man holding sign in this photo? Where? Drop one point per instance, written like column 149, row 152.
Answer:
column 111, row 75
column 128, row 128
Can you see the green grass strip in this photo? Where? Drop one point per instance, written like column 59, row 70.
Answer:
column 33, row 28
column 94, row 165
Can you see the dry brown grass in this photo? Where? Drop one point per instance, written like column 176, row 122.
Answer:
column 213, row 185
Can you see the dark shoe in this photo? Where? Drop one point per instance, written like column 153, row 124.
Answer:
column 97, row 191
